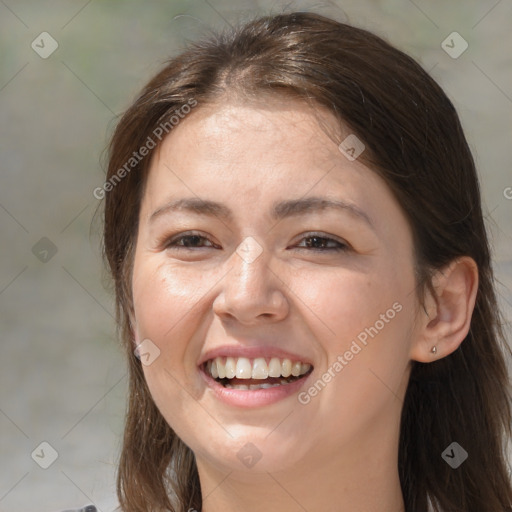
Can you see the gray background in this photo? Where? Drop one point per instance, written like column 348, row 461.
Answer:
column 63, row 378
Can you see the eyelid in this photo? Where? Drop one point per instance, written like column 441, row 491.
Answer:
column 343, row 244
column 168, row 241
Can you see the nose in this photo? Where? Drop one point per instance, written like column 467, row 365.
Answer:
column 251, row 292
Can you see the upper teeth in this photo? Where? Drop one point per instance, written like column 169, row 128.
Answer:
column 244, row 368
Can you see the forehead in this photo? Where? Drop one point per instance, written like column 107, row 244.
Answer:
column 269, row 130
column 256, row 146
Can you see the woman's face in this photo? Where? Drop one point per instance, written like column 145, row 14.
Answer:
column 266, row 256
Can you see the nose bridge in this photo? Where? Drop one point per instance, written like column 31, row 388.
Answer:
column 250, row 271
column 250, row 288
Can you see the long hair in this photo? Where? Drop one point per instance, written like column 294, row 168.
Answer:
column 415, row 142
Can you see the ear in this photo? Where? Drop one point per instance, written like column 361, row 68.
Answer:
column 446, row 320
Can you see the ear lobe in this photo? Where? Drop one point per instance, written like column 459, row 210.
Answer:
column 448, row 315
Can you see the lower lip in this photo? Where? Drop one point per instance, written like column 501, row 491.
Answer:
column 249, row 398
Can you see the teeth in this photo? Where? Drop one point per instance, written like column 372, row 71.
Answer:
column 230, row 367
column 263, row 386
column 274, row 367
column 258, row 368
column 243, row 368
column 213, row 369
column 251, row 386
column 296, row 368
column 238, row 386
column 221, row 369
column 286, row 368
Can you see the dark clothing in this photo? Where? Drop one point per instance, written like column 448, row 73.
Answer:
column 88, row 508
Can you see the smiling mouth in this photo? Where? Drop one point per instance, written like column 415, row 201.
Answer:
column 253, row 374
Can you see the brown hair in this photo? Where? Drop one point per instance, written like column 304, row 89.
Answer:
column 415, row 142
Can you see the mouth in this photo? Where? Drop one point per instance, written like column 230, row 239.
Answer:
column 242, row 373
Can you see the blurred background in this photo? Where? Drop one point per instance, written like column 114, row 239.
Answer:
column 67, row 70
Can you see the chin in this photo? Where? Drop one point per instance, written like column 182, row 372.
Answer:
column 252, row 451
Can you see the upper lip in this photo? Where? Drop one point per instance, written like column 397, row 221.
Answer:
column 266, row 351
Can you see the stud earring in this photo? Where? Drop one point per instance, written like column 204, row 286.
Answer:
column 433, row 350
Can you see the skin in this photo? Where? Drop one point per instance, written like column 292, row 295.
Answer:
column 339, row 451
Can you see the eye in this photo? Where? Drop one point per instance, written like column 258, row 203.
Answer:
column 189, row 241
column 322, row 243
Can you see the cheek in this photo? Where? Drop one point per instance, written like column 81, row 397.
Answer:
column 367, row 321
column 364, row 382
column 367, row 356
column 343, row 304
column 167, row 303
column 162, row 296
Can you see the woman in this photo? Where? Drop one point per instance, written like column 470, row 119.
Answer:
column 303, row 281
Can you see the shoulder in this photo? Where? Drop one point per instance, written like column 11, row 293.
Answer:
column 88, row 508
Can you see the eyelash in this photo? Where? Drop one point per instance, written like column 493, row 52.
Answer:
column 173, row 243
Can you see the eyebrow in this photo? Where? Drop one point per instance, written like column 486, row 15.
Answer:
column 280, row 210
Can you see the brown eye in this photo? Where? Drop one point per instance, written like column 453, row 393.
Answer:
column 191, row 241
column 322, row 243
